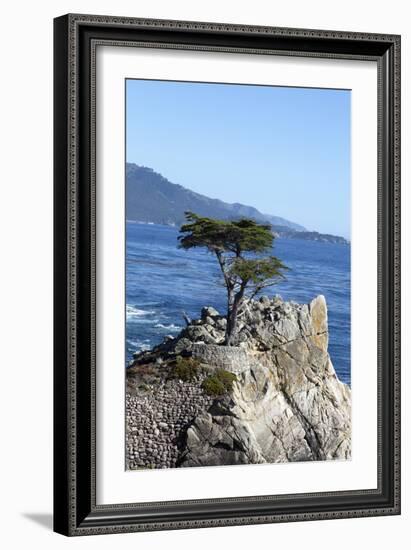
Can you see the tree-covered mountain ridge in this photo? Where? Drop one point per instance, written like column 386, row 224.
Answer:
column 152, row 198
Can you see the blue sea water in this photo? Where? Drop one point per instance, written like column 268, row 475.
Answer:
column 163, row 280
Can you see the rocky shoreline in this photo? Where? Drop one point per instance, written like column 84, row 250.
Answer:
column 272, row 397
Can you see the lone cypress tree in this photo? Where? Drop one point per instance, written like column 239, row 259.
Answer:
column 235, row 245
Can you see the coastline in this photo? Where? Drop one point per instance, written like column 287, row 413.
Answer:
column 285, row 233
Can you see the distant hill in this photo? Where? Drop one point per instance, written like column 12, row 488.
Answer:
column 152, row 198
column 286, row 233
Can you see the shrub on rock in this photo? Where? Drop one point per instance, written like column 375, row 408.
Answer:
column 186, row 368
column 220, row 383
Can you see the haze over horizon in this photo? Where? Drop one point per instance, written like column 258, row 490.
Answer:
column 284, row 151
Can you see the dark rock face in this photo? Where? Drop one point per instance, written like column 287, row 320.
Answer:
column 286, row 405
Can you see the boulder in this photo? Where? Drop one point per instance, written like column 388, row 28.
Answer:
column 209, row 312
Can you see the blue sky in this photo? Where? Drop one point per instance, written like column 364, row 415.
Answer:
column 285, row 151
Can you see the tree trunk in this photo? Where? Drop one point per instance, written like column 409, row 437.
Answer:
column 232, row 318
column 231, row 327
column 233, row 300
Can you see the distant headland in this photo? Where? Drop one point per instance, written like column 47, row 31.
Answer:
column 151, row 198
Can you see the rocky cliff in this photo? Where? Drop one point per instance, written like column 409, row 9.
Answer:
column 273, row 397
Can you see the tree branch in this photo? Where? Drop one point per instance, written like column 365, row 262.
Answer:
column 261, row 287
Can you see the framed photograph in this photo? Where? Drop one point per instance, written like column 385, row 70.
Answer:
column 227, row 278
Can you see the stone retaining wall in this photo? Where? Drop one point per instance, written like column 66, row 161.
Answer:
column 232, row 359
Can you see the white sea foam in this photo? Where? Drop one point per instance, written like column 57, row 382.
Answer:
column 138, row 345
column 168, row 327
column 132, row 311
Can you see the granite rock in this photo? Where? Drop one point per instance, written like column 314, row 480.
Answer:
column 287, row 403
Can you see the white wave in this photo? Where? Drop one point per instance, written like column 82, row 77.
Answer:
column 172, row 326
column 138, row 345
column 132, row 311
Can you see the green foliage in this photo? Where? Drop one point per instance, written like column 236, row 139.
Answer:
column 220, row 383
column 226, row 377
column 257, row 271
column 212, row 386
column 186, row 368
column 233, row 236
column 235, row 244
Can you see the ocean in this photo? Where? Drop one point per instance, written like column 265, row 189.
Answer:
column 162, row 281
